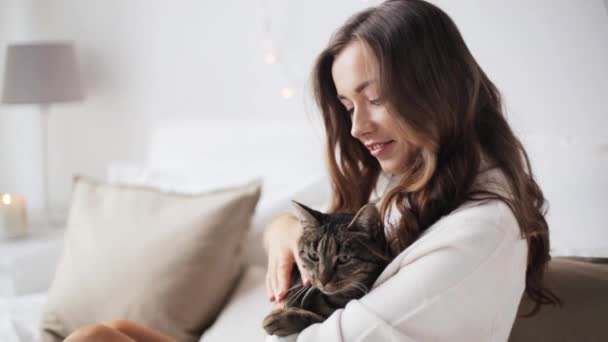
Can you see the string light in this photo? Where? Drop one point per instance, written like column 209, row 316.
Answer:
column 272, row 52
column 270, row 58
column 273, row 55
column 287, row 93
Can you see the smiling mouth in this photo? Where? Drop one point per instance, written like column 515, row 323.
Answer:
column 379, row 148
column 375, row 147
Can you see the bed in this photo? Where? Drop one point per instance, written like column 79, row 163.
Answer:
column 581, row 280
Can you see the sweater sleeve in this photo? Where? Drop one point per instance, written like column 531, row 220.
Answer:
column 436, row 286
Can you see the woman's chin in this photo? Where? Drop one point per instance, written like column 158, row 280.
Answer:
column 390, row 168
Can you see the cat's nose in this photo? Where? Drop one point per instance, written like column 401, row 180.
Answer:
column 324, row 279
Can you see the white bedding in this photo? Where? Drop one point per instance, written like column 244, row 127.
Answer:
column 20, row 316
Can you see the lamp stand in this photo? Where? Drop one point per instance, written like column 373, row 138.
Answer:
column 47, row 214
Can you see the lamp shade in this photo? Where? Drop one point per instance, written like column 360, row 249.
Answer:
column 44, row 72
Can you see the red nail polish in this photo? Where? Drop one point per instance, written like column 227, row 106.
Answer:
column 271, row 298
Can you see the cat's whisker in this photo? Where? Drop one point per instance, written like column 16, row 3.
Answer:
column 362, row 287
column 297, row 294
column 310, row 290
column 293, row 287
column 357, row 285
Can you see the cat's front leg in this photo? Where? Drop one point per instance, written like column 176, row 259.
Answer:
column 287, row 321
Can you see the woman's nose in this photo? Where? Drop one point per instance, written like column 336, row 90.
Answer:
column 361, row 123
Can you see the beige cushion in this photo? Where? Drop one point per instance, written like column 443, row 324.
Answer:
column 164, row 260
column 582, row 285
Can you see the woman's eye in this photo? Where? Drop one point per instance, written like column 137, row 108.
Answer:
column 313, row 256
column 376, row 102
column 343, row 258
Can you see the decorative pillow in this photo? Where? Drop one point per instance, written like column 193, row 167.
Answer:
column 315, row 192
column 164, row 260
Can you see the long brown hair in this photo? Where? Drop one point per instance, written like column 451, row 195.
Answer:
column 451, row 112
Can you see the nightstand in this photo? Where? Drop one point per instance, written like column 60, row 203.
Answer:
column 28, row 264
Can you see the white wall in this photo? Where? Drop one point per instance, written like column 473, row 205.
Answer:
column 143, row 62
column 549, row 58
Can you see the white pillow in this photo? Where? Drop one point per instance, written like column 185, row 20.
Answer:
column 132, row 173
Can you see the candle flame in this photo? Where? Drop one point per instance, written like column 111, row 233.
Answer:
column 6, row 199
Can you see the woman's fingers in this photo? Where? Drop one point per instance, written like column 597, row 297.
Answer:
column 278, row 277
column 279, row 237
column 269, row 291
column 284, row 277
column 273, row 281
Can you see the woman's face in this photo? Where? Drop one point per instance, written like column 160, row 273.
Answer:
column 355, row 76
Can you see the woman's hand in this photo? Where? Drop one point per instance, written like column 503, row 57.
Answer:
column 281, row 242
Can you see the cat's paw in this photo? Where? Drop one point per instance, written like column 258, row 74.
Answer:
column 287, row 321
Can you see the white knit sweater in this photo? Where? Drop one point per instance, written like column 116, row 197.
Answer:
column 462, row 280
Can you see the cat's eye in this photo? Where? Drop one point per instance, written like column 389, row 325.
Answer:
column 312, row 255
column 343, row 258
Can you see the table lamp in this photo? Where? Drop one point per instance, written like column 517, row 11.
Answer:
column 41, row 73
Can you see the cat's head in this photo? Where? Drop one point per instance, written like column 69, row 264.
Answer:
column 344, row 253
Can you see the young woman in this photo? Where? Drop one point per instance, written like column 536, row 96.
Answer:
column 404, row 102
column 402, row 96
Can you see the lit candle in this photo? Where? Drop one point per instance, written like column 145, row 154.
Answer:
column 13, row 219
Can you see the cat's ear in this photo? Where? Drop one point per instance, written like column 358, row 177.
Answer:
column 309, row 217
column 367, row 217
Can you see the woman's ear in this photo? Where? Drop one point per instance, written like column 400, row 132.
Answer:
column 308, row 217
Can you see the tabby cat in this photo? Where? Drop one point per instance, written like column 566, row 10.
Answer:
column 344, row 254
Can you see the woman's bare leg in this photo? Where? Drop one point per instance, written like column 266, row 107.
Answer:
column 138, row 332
column 98, row 333
column 117, row 331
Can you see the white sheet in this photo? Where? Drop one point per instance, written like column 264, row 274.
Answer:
column 241, row 319
column 20, row 316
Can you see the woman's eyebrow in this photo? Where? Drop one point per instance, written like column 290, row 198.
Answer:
column 359, row 88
